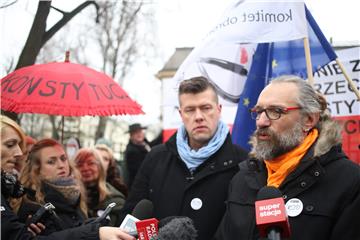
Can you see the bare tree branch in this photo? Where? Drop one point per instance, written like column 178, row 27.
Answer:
column 8, row 4
column 67, row 16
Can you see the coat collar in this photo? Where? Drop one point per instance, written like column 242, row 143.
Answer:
column 305, row 175
column 222, row 160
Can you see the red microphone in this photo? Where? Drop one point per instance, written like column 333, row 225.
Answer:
column 271, row 217
column 147, row 229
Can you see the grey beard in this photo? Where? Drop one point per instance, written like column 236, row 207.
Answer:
column 279, row 143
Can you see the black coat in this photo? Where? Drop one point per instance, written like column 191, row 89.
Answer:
column 134, row 156
column 69, row 215
column 165, row 180
column 13, row 229
column 328, row 186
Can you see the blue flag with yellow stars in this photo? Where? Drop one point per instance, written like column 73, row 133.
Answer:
column 258, row 78
column 271, row 60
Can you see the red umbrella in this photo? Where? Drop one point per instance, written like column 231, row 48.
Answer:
column 66, row 89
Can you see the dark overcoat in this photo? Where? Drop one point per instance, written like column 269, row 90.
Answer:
column 328, row 187
column 165, row 180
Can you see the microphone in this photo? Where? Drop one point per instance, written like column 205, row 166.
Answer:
column 176, row 228
column 134, row 224
column 105, row 213
column 143, row 209
column 271, row 217
column 147, row 229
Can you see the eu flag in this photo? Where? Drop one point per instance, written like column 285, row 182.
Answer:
column 272, row 60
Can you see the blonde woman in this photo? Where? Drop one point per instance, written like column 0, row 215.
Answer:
column 49, row 172
column 99, row 192
column 112, row 170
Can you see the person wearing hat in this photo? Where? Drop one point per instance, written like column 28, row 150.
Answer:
column 135, row 151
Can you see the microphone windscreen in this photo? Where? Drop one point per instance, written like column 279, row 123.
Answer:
column 178, row 228
column 166, row 220
column 143, row 210
column 268, row 192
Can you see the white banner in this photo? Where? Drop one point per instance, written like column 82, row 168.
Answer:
column 228, row 43
column 331, row 82
column 253, row 21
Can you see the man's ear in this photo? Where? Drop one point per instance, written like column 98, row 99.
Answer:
column 311, row 120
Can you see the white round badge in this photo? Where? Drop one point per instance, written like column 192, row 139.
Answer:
column 196, row 203
column 294, row 207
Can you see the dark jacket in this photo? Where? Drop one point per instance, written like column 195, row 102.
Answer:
column 134, row 156
column 13, row 229
column 326, row 182
column 94, row 206
column 69, row 215
column 165, row 180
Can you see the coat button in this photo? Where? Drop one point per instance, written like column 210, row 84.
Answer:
column 212, row 167
column 309, row 208
column 317, row 173
column 230, row 161
column 303, row 184
column 225, row 163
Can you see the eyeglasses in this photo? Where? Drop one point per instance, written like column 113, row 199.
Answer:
column 272, row 113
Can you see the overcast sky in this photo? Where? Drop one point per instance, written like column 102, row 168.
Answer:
column 181, row 23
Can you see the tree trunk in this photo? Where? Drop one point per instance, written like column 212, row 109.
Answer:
column 55, row 133
column 101, row 128
column 34, row 41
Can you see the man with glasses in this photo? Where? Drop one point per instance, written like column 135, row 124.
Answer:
column 297, row 149
column 190, row 173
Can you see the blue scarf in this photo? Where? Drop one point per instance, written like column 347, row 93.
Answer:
column 193, row 158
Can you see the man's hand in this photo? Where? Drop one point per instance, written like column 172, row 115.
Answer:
column 113, row 233
column 36, row 229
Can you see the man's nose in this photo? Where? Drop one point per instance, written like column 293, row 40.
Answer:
column 198, row 114
column 263, row 120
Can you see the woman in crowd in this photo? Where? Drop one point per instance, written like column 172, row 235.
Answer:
column 12, row 148
column 12, row 144
column 111, row 168
column 99, row 193
column 49, row 171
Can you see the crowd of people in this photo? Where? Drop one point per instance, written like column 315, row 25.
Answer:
column 198, row 173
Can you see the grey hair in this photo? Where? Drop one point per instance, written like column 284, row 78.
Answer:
column 308, row 99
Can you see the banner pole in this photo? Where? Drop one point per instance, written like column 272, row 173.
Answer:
column 308, row 61
column 349, row 80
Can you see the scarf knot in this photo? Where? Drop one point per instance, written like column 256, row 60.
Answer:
column 193, row 158
column 280, row 167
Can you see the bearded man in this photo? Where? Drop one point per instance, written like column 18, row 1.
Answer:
column 297, row 149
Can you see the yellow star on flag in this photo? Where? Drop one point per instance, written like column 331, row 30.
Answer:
column 274, row 63
column 246, row 102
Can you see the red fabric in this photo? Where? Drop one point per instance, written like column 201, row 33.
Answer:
column 66, row 89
